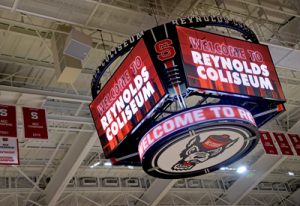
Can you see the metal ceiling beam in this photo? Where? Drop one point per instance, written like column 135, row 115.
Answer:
column 289, row 80
column 29, row 26
column 36, row 64
column 29, row 62
column 48, row 94
column 260, row 169
column 29, row 29
column 295, row 127
column 281, row 11
column 68, row 167
column 15, row 5
column 158, row 189
column 132, row 11
column 295, row 197
column 91, row 15
column 64, row 21
column 70, row 119
column 293, row 102
column 191, row 7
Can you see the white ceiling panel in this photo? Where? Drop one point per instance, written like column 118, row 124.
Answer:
column 278, row 53
column 291, row 61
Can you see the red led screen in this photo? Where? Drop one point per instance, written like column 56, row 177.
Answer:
column 218, row 63
column 127, row 98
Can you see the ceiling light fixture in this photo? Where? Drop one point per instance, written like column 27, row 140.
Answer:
column 95, row 164
column 107, row 164
column 241, row 169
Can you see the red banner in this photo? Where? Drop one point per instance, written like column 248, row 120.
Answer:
column 127, row 98
column 35, row 123
column 9, row 151
column 267, row 142
column 283, row 143
column 217, row 63
column 295, row 140
column 8, row 121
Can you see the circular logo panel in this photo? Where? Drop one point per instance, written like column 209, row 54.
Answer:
column 209, row 146
column 184, row 146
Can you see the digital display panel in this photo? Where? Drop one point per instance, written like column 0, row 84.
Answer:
column 217, row 63
column 127, row 98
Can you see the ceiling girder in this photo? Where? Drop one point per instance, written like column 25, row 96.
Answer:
column 278, row 10
column 261, row 168
column 158, row 189
column 295, row 197
column 68, row 167
column 49, row 94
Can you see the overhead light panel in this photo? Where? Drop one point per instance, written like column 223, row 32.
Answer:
column 107, row 164
column 95, row 164
column 241, row 169
column 130, row 167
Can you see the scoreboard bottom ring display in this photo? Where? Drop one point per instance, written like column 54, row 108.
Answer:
column 197, row 141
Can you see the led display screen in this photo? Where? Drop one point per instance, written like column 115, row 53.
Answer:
column 217, row 63
column 127, row 98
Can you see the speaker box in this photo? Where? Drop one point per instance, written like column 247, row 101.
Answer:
column 77, row 45
column 67, row 68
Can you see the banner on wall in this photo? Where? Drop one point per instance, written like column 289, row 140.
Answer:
column 8, row 121
column 9, row 151
column 267, row 142
column 280, row 143
column 283, row 143
column 35, row 124
column 295, row 140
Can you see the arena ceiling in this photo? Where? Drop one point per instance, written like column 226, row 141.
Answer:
column 58, row 171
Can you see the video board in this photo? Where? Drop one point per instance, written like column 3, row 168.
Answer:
column 223, row 64
column 127, row 98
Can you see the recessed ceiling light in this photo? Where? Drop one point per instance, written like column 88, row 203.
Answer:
column 291, row 173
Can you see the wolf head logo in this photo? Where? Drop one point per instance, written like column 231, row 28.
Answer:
column 197, row 152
